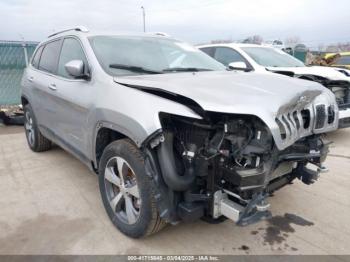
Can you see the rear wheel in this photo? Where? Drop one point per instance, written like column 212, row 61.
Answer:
column 36, row 141
column 126, row 190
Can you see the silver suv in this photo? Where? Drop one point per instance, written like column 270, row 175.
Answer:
column 171, row 134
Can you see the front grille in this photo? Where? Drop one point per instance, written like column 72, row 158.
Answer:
column 306, row 117
column 298, row 123
column 290, row 123
column 317, row 117
column 331, row 114
column 320, row 116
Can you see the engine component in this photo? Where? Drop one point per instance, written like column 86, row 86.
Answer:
column 227, row 166
column 171, row 176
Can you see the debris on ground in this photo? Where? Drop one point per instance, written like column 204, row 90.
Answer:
column 11, row 115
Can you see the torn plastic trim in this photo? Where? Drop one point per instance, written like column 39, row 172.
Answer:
column 193, row 105
column 163, row 195
column 153, row 139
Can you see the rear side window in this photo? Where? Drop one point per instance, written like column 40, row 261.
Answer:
column 49, row 57
column 227, row 55
column 36, row 58
column 71, row 50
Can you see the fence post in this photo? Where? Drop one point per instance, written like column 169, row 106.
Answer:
column 25, row 53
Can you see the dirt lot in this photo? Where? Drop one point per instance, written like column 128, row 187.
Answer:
column 50, row 204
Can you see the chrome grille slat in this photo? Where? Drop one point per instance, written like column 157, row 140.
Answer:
column 300, row 120
column 294, row 121
column 294, row 126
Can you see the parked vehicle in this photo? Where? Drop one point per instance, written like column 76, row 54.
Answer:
column 172, row 135
column 249, row 57
column 343, row 61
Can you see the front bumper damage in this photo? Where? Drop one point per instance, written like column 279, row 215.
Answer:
column 243, row 212
column 226, row 165
column 306, row 167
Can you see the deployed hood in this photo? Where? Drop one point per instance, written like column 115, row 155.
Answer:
column 323, row 71
column 229, row 92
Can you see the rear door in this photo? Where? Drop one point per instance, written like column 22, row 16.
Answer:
column 73, row 99
column 41, row 77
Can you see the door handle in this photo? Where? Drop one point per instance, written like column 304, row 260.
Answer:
column 30, row 79
column 53, row 87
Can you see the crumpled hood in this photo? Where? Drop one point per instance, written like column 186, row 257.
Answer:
column 323, row 71
column 267, row 96
column 230, row 92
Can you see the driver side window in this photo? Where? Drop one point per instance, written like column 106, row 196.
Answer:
column 71, row 50
column 227, row 55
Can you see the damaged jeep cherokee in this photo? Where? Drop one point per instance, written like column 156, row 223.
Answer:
column 171, row 134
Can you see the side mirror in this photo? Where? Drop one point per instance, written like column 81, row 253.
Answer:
column 75, row 68
column 238, row 66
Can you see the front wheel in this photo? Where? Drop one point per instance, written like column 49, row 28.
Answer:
column 126, row 190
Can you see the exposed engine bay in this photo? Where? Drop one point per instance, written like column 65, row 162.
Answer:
column 224, row 166
column 340, row 88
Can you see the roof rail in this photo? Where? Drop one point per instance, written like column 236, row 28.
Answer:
column 77, row 28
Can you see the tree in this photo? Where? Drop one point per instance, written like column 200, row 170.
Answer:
column 321, row 47
column 292, row 41
column 255, row 39
column 221, row 41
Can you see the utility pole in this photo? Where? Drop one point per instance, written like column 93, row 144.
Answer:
column 144, row 18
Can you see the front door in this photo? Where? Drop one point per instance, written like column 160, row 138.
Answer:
column 73, row 99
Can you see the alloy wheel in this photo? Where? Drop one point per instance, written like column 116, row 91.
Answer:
column 29, row 128
column 122, row 190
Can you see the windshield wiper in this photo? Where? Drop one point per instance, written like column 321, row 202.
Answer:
column 134, row 68
column 185, row 69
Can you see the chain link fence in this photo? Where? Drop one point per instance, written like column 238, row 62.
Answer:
column 14, row 57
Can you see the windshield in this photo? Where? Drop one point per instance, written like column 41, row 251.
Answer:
column 271, row 57
column 343, row 60
column 134, row 55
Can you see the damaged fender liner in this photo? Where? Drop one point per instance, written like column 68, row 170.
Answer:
column 170, row 96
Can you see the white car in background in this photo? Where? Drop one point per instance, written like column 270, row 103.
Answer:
column 250, row 57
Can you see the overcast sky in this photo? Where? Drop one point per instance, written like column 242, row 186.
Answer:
column 314, row 21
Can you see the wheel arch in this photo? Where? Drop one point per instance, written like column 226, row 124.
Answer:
column 103, row 137
column 24, row 100
column 106, row 133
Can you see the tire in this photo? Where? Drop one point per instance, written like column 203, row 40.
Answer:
column 128, row 199
column 36, row 141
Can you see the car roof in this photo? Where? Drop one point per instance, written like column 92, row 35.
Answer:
column 84, row 32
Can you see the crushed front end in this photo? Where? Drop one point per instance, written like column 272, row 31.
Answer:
column 226, row 165
column 341, row 90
